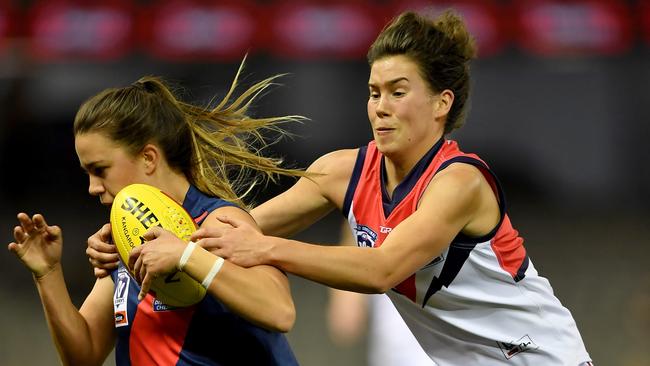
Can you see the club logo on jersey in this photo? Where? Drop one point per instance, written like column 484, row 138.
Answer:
column 365, row 236
column 511, row 349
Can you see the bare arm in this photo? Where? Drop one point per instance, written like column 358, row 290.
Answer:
column 300, row 206
column 457, row 199
column 261, row 294
column 85, row 336
column 448, row 206
column 82, row 337
column 309, row 199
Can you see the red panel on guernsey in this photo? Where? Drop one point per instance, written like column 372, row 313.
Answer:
column 159, row 335
column 407, row 288
column 368, row 196
column 508, row 247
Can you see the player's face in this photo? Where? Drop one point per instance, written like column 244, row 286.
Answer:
column 109, row 166
column 401, row 108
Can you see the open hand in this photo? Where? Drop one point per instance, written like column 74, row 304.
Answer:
column 37, row 245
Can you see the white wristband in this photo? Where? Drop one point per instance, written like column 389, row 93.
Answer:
column 186, row 255
column 213, row 272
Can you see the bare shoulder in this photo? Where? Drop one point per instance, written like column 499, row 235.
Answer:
column 332, row 173
column 234, row 212
column 463, row 193
column 457, row 188
column 335, row 163
column 465, row 176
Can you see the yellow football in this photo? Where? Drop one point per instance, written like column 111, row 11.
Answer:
column 135, row 209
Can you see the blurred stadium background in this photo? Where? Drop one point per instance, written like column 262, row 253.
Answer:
column 559, row 109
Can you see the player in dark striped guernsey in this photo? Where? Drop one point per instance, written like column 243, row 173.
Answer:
column 143, row 134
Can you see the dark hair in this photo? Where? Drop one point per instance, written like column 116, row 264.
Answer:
column 217, row 149
column 441, row 47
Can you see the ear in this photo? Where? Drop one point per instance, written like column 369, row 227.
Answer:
column 442, row 104
column 151, row 156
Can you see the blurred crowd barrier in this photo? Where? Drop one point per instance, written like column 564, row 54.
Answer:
column 174, row 30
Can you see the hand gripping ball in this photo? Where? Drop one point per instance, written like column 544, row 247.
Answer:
column 135, row 209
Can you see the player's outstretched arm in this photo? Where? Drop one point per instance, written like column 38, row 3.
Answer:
column 447, row 207
column 310, row 199
column 259, row 294
column 81, row 337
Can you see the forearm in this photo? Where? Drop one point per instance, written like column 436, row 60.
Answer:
column 256, row 293
column 69, row 329
column 289, row 223
column 347, row 268
column 301, row 206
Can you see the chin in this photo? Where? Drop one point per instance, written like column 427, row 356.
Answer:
column 385, row 148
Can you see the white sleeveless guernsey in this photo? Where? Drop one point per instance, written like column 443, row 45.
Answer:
column 481, row 302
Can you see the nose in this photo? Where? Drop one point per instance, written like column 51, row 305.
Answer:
column 382, row 109
column 95, row 186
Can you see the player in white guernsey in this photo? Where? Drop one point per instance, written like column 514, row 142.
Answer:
column 431, row 222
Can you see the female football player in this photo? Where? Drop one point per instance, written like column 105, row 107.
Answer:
column 201, row 157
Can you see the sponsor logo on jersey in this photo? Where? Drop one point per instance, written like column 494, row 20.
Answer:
column 161, row 306
column 511, row 349
column 365, row 236
column 121, row 319
column 385, row 229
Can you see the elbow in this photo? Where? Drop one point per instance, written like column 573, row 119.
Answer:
column 73, row 361
column 380, row 283
column 282, row 320
column 380, row 287
column 381, row 277
column 287, row 319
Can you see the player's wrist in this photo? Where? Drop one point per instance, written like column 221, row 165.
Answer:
column 273, row 255
column 42, row 275
column 216, row 267
column 203, row 266
column 185, row 256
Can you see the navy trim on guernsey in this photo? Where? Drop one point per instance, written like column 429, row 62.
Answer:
column 462, row 245
column 406, row 185
column 456, row 257
column 215, row 335
column 197, row 203
column 521, row 272
column 501, row 197
column 354, row 180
